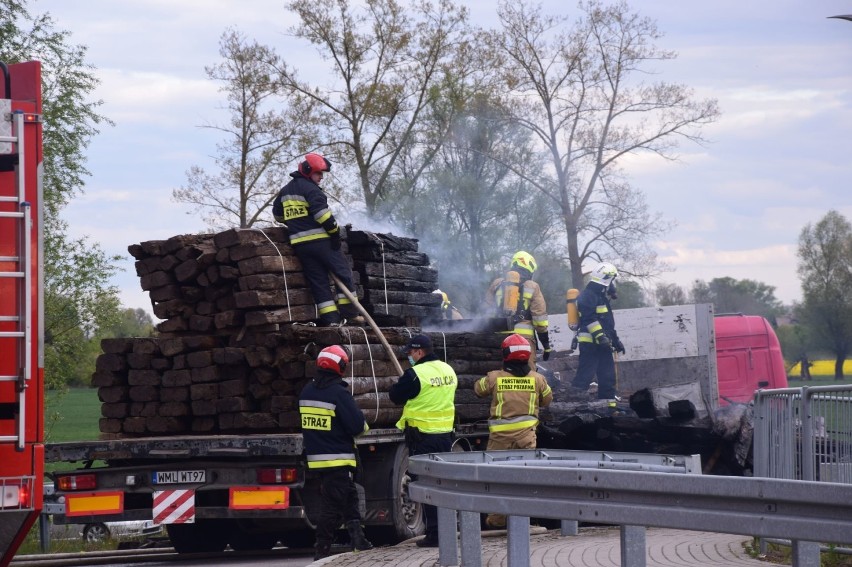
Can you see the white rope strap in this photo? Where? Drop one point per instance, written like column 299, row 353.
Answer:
column 385, row 277
column 283, row 271
column 373, row 369
column 444, row 336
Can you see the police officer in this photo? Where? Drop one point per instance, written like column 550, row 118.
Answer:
column 597, row 336
column 303, row 207
column 330, row 423
column 428, row 391
column 517, row 394
column 529, row 315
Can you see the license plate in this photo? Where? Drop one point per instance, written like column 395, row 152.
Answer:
column 178, row 477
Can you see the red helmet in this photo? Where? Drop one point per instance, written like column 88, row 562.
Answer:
column 333, row 358
column 516, row 347
column 312, row 163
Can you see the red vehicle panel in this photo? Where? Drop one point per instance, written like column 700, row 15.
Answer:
column 21, row 284
column 748, row 356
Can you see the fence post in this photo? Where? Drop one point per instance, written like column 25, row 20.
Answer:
column 471, row 539
column 805, row 554
column 447, row 527
column 518, row 541
column 633, row 546
column 569, row 527
column 808, row 438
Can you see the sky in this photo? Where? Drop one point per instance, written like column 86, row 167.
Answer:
column 779, row 157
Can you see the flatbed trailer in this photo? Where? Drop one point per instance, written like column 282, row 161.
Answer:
column 249, row 491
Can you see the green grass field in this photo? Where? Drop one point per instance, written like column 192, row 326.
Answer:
column 72, row 415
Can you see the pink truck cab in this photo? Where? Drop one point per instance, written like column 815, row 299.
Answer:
column 748, row 357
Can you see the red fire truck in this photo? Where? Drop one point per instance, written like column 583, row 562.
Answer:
column 21, row 305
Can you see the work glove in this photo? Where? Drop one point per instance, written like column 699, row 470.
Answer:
column 617, row 345
column 546, row 354
column 335, row 241
column 603, row 340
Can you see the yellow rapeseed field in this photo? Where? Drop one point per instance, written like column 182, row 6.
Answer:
column 823, row 368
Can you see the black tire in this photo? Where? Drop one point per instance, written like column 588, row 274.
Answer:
column 201, row 537
column 96, row 533
column 407, row 515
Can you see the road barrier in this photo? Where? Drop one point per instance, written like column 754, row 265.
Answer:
column 631, row 490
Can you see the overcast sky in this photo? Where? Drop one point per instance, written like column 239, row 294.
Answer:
column 780, row 155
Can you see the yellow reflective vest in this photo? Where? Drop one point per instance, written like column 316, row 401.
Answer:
column 433, row 409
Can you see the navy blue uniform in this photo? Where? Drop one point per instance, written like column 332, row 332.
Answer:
column 595, row 359
column 315, row 237
column 330, row 422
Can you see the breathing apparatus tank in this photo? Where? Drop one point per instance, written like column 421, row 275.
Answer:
column 511, row 293
column 571, row 308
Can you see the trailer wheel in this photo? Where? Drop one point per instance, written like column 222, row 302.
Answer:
column 96, row 533
column 202, row 536
column 407, row 515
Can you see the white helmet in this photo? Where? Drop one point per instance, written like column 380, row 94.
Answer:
column 604, row 273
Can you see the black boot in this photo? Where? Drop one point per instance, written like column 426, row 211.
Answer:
column 356, row 536
column 323, row 549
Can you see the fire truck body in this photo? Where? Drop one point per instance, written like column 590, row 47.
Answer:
column 21, row 305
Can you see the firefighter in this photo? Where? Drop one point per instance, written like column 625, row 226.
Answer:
column 302, row 206
column 428, row 391
column 597, row 337
column 518, row 297
column 448, row 310
column 330, row 423
column 516, row 393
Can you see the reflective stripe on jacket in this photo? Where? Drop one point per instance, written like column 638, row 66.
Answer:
column 330, row 421
column 303, row 207
column 533, row 305
column 433, row 410
column 515, row 401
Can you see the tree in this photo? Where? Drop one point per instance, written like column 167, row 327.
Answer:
column 669, row 294
column 738, row 296
column 77, row 295
column 388, row 60
column 579, row 92
column 132, row 323
column 266, row 131
column 796, row 344
column 469, row 210
column 630, row 295
column 825, row 270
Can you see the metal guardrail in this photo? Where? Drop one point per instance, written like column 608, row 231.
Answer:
column 804, row 433
column 536, row 483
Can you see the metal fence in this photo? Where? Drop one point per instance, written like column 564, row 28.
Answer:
column 804, row 433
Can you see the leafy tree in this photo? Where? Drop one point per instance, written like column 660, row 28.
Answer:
column 388, row 59
column 579, row 91
column 469, row 210
column 266, row 129
column 77, row 295
column 131, row 323
column 825, row 270
column 670, row 294
column 738, row 296
column 797, row 345
column 630, row 295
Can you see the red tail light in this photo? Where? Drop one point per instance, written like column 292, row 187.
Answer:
column 276, row 476
column 24, row 496
column 77, row 482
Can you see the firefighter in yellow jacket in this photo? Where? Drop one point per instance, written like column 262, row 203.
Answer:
column 518, row 297
column 517, row 394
